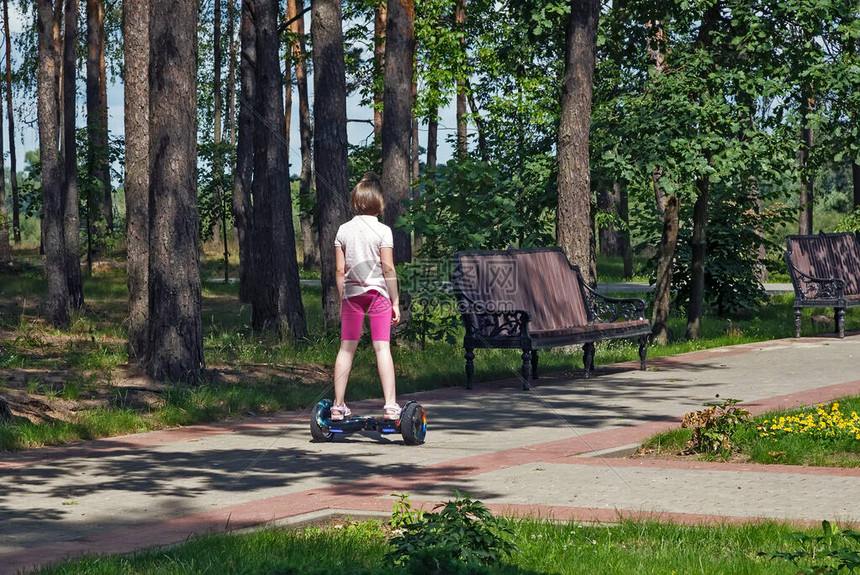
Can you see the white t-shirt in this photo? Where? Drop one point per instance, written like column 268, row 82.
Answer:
column 362, row 239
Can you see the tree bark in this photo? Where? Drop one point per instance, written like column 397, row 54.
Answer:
column 97, row 117
column 396, row 127
column 52, row 221
column 175, row 324
column 330, row 142
column 380, row 22
column 855, row 179
column 5, row 245
column 277, row 302
column 574, row 223
column 310, row 249
column 624, row 236
column 805, row 224
column 136, row 118
column 665, row 269
column 460, row 88
column 69, row 188
column 609, row 238
column 13, row 164
column 696, row 305
column 242, row 210
column 231, row 11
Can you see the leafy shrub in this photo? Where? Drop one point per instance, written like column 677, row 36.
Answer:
column 832, row 552
column 462, row 537
column 714, row 426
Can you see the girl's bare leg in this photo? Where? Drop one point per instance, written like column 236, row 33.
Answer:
column 342, row 367
column 385, row 365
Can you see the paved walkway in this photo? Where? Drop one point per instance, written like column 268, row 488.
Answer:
column 554, row 452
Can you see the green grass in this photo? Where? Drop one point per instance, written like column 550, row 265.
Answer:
column 275, row 375
column 545, row 548
column 611, row 269
column 788, row 450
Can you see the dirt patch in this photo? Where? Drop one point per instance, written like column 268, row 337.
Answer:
column 670, row 455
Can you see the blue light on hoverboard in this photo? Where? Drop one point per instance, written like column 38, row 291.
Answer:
column 336, row 430
column 388, row 430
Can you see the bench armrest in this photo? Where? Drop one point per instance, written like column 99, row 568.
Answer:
column 492, row 324
column 606, row 309
column 809, row 287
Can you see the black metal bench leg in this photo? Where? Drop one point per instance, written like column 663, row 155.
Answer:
column 588, row 358
column 534, row 364
column 527, row 369
column 643, row 351
column 797, row 314
column 840, row 322
column 470, row 367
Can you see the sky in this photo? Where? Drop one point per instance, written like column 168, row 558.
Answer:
column 357, row 132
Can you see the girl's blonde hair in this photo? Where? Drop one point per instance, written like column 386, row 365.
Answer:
column 366, row 198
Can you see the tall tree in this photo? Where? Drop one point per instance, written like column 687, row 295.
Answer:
column 330, row 142
column 5, row 245
column 69, row 188
column 98, row 162
column 574, row 229
column 460, row 25
column 175, row 345
column 231, row 74
column 49, row 128
column 380, row 22
column 242, row 209
column 310, row 249
column 13, row 164
column 807, row 178
column 136, row 186
column 277, row 302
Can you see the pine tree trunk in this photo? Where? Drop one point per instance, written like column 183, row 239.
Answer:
column 665, row 269
column 277, row 302
column 805, row 223
column 242, row 211
column 5, row 245
column 574, row 228
column 136, row 186
column 52, row 219
column 396, row 126
column 13, row 163
column 101, row 201
column 69, row 189
column 310, row 249
column 175, row 324
column 460, row 25
column 330, row 142
column 232, row 71
column 380, row 23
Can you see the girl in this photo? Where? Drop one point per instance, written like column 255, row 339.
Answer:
column 367, row 284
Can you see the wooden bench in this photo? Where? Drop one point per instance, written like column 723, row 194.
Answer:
column 535, row 299
column 825, row 272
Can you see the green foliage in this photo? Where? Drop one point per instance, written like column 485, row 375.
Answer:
column 214, row 186
column 850, row 223
column 472, row 205
column 834, row 551
column 463, row 535
column 714, row 426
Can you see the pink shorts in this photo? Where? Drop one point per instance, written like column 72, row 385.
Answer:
column 352, row 311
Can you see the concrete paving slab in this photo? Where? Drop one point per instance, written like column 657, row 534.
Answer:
column 518, row 450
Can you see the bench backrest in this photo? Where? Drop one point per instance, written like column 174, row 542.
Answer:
column 826, row 256
column 539, row 281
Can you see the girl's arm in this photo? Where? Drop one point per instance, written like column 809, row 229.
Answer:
column 339, row 269
column 390, row 275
